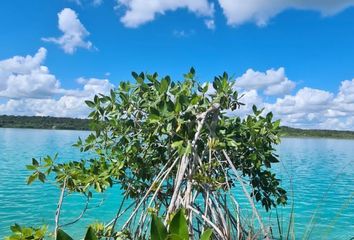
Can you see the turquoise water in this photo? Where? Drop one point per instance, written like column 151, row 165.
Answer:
column 320, row 172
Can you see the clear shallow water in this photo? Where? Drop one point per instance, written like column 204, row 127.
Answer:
column 320, row 172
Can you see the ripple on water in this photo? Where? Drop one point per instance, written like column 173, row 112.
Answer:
column 318, row 170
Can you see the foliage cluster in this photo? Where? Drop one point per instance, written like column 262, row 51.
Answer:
column 172, row 145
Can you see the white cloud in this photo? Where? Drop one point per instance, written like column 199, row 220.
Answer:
column 29, row 89
column 306, row 100
column 26, row 77
column 307, row 108
column 93, row 2
column 283, row 87
column 272, row 82
column 91, row 86
column 238, row 12
column 74, row 33
column 314, row 108
column 97, row 2
column 183, row 33
column 249, row 98
column 210, row 24
column 138, row 12
column 70, row 104
column 346, row 92
column 344, row 101
column 66, row 106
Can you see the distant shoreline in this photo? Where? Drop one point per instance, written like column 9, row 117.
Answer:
column 59, row 123
column 56, row 129
column 315, row 133
column 35, row 122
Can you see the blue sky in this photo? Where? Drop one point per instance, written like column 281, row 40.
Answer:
column 307, row 47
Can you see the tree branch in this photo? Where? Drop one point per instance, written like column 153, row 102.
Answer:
column 57, row 212
column 255, row 211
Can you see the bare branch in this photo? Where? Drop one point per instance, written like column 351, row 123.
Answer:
column 255, row 211
column 57, row 212
column 81, row 214
column 218, row 231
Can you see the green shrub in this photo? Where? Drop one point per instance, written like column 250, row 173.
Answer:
column 168, row 144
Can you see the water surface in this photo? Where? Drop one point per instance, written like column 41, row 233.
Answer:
column 318, row 172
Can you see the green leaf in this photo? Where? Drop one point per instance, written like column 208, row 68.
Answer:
column 48, row 160
column 31, row 178
column 206, row 235
column 174, row 237
column 276, row 124
column 177, row 144
column 113, row 95
column 16, row 228
column 61, row 235
column 90, row 104
column 31, row 167
column 254, row 108
column 41, row 177
column 178, row 107
column 273, row 159
column 90, row 234
column 158, row 231
column 192, row 71
column 189, row 148
column 179, row 225
column 154, row 118
column 35, row 162
column 96, row 99
column 232, row 143
column 164, row 85
column 135, row 75
column 269, row 115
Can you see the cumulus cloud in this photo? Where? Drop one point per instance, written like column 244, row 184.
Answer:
column 74, row 33
column 138, row 12
column 30, row 89
column 307, row 108
column 254, row 86
column 27, row 87
column 346, row 92
column 91, row 86
column 238, row 12
column 26, row 77
column 315, row 108
column 70, row 104
column 344, row 101
column 306, row 100
column 66, row 106
column 272, row 82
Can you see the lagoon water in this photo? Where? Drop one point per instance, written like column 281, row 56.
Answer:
column 319, row 173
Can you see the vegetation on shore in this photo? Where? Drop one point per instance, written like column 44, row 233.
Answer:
column 7, row 121
column 319, row 133
column 36, row 122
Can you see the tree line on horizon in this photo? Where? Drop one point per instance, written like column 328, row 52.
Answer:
column 66, row 123
column 37, row 122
